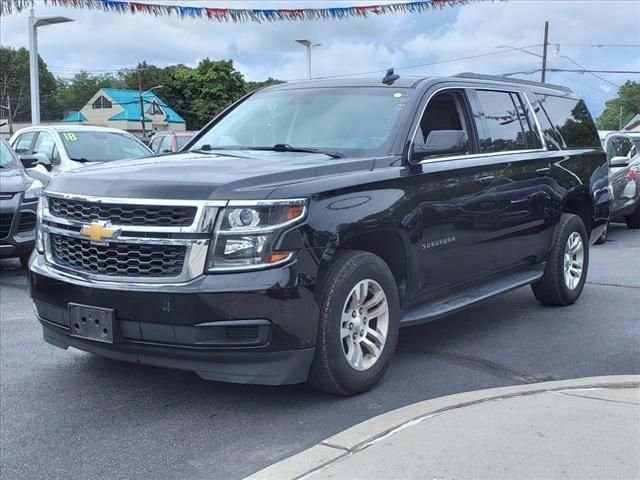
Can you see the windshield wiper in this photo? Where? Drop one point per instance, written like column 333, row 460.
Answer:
column 278, row 147
column 284, row 147
column 81, row 159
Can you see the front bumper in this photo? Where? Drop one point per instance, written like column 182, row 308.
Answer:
column 17, row 241
column 257, row 327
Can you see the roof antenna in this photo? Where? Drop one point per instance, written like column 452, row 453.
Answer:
column 390, row 77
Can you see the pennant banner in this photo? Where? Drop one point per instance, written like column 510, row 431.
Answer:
column 237, row 15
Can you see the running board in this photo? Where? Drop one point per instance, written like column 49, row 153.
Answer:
column 448, row 305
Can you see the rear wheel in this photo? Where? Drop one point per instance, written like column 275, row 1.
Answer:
column 633, row 220
column 567, row 265
column 358, row 328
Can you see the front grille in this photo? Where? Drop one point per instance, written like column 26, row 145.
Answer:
column 27, row 222
column 123, row 214
column 5, row 224
column 118, row 259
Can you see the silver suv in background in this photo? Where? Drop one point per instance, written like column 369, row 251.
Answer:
column 624, row 178
column 18, row 202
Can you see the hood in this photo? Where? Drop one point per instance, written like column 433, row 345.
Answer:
column 11, row 180
column 195, row 176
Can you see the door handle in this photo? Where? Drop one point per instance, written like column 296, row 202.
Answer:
column 543, row 171
column 486, row 180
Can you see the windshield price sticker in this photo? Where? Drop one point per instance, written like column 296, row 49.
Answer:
column 70, row 137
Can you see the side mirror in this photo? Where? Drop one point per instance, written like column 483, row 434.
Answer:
column 29, row 161
column 619, row 162
column 442, row 142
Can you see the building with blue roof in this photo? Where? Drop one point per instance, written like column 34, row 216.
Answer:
column 112, row 107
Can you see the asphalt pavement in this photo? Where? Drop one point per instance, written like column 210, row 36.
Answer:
column 69, row 414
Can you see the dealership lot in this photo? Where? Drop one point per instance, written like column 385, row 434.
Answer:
column 74, row 415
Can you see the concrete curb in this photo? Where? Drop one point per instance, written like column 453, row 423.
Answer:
column 360, row 436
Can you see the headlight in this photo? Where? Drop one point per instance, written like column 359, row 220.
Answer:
column 247, row 233
column 33, row 192
column 39, row 234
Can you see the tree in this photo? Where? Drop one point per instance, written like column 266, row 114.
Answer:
column 74, row 93
column 251, row 86
column 618, row 111
column 14, row 86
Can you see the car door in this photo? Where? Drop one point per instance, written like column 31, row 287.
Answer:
column 524, row 188
column 451, row 203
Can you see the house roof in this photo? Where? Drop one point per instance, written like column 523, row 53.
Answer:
column 75, row 117
column 129, row 100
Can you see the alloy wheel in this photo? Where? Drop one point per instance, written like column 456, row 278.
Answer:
column 364, row 324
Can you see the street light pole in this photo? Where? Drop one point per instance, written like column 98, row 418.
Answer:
column 33, row 70
column 34, row 23
column 308, row 46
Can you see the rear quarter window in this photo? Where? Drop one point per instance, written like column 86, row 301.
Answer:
column 568, row 122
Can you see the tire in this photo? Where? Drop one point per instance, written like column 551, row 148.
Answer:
column 633, row 220
column 553, row 287
column 602, row 239
column 331, row 371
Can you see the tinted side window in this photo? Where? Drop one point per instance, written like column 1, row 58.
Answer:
column 618, row 146
column 571, row 119
column 22, row 144
column 503, row 128
column 446, row 111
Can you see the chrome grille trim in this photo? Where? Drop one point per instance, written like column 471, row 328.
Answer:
column 196, row 246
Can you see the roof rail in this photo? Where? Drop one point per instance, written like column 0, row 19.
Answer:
column 500, row 78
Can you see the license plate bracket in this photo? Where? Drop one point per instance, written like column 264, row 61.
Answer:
column 93, row 323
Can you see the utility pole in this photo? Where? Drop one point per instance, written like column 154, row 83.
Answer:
column 544, row 51
column 620, row 119
column 141, row 104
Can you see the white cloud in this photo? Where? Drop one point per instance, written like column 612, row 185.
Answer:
column 103, row 41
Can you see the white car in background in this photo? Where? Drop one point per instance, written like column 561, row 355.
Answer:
column 61, row 148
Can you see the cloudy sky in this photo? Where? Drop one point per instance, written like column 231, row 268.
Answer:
column 101, row 42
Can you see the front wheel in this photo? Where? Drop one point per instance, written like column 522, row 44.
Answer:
column 566, row 268
column 358, row 327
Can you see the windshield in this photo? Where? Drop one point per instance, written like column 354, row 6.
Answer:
column 181, row 140
column 102, row 146
column 7, row 157
column 353, row 121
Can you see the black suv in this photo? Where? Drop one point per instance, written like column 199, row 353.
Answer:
column 307, row 223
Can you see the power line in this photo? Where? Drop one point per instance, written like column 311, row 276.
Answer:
column 439, row 62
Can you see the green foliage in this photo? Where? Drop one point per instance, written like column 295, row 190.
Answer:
column 197, row 94
column 627, row 102
column 74, row 93
column 14, row 86
column 251, row 86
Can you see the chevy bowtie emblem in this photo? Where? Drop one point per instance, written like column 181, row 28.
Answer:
column 98, row 232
